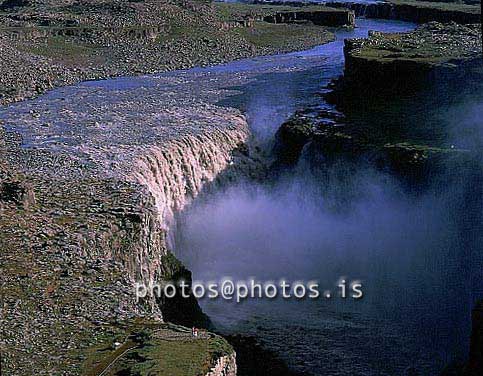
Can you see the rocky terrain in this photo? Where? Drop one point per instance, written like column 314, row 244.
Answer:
column 415, row 10
column 328, row 134
column 435, row 58
column 400, row 63
column 48, row 43
column 89, row 188
column 92, row 176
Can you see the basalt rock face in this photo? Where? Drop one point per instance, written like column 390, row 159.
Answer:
column 291, row 12
column 395, row 64
column 320, row 18
column 328, row 136
column 385, row 77
column 475, row 363
column 225, row 366
column 414, row 11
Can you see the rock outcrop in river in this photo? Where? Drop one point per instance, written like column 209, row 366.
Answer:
column 435, row 58
column 328, row 134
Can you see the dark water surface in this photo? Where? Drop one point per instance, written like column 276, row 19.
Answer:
column 418, row 257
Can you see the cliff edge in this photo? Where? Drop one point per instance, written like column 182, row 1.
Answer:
column 401, row 63
column 92, row 177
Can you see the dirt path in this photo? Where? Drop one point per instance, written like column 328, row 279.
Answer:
column 106, row 363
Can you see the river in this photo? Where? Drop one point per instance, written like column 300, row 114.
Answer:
column 417, row 257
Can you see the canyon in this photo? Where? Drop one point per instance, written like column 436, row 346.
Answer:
column 94, row 176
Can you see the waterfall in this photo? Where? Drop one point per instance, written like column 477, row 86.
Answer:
column 177, row 172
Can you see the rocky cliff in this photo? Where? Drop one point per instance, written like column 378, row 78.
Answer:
column 92, row 177
column 401, row 63
column 330, row 135
column 475, row 364
column 414, row 11
column 224, row 366
column 321, row 18
column 289, row 12
column 401, row 70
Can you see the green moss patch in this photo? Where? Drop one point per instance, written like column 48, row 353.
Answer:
column 63, row 49
column 281, row 36
column 153, row 348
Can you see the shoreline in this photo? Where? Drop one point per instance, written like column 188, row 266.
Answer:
column 74, row 47
column 84, row 78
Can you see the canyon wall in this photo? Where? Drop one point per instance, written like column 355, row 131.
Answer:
column 395, row 64
column 320, row 18
column 475, row 364
column 412, row 12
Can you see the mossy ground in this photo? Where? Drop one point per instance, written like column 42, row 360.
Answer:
column 432, row 43
column 152, row 348
column 66, row 50
column 266, row 35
